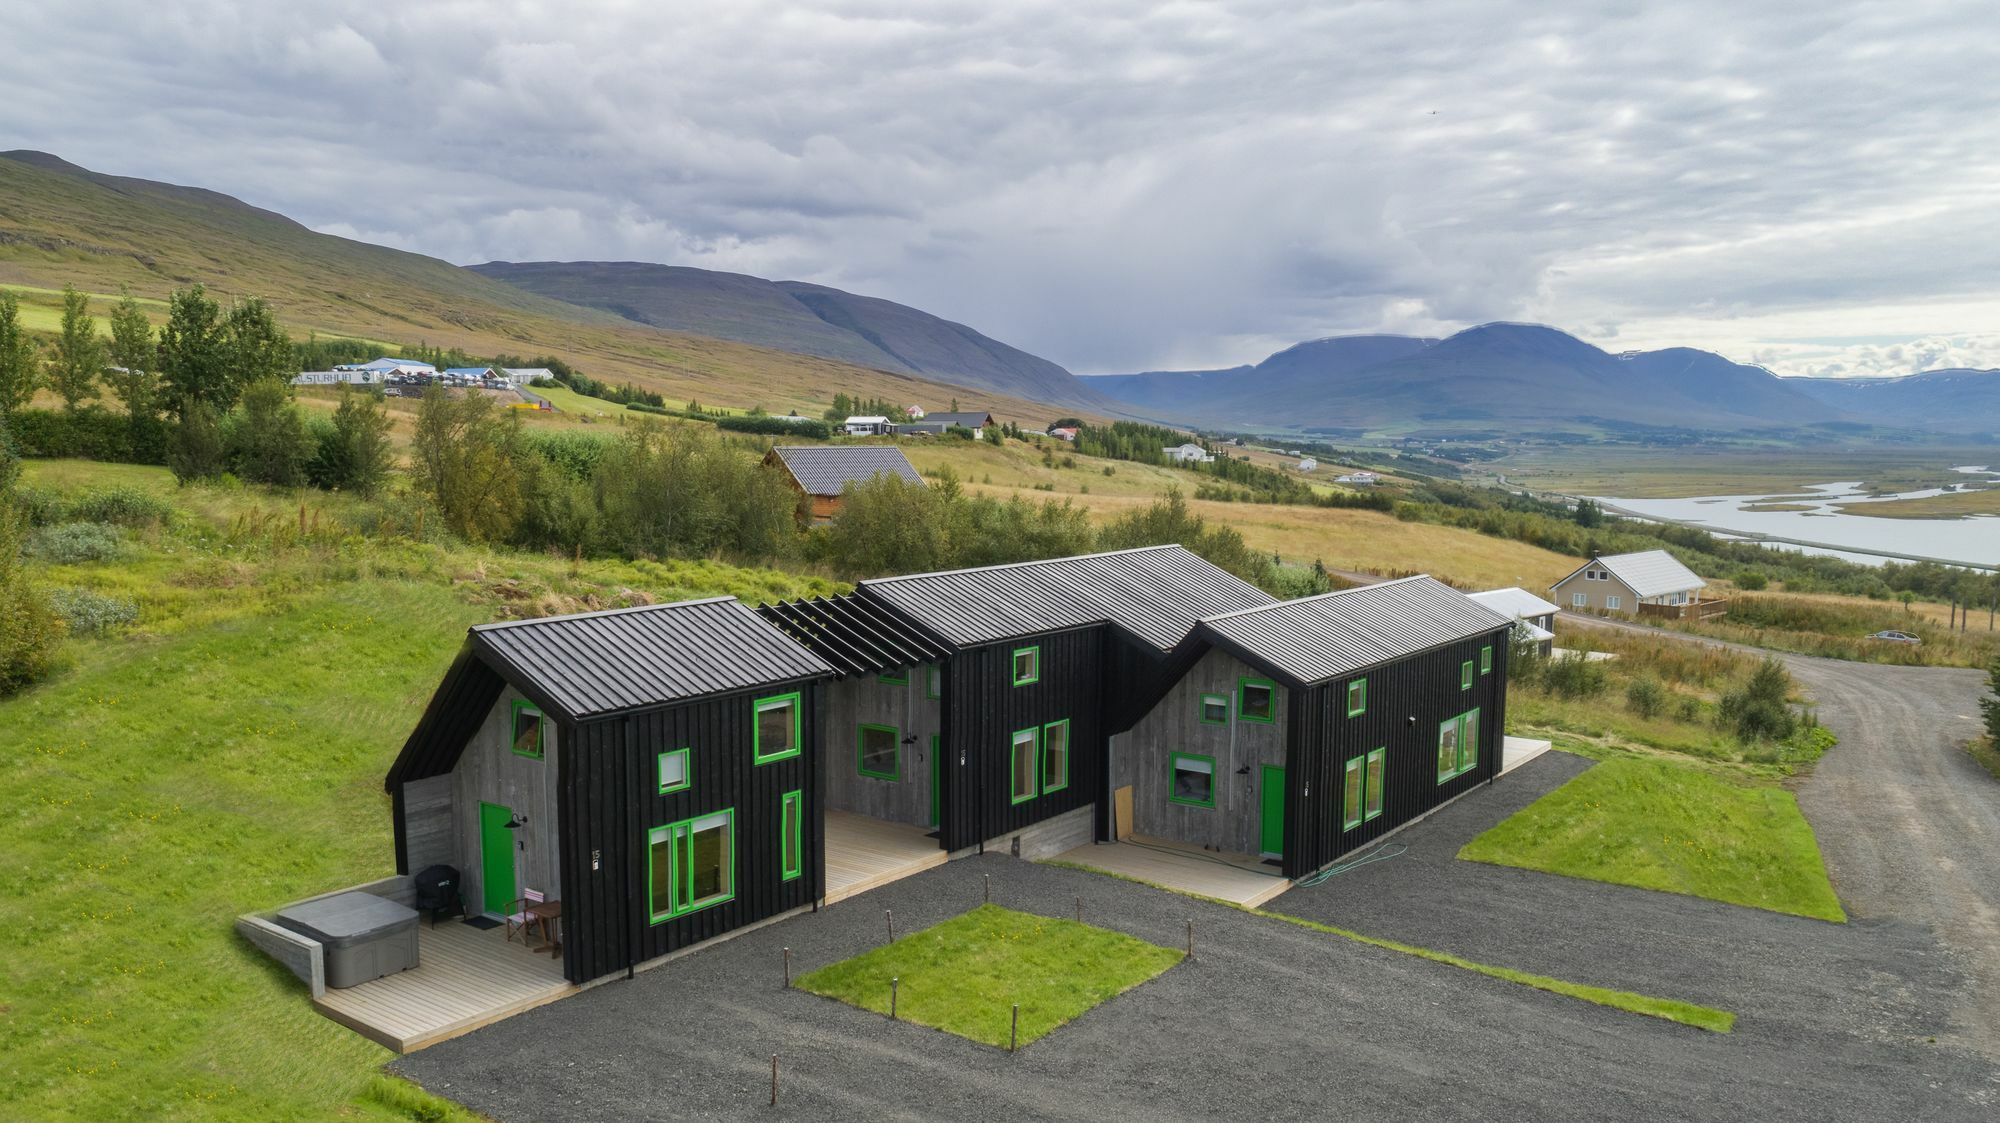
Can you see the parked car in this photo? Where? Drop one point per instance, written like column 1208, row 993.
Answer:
column 1896, row 637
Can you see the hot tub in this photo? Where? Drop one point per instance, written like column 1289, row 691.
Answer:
column 365, row 936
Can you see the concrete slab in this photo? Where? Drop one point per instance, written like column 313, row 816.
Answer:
column 1237, row 878
column 1517, row 751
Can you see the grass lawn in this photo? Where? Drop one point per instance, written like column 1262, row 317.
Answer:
column 1661, row 825
column 226, row 754
column 964, row 976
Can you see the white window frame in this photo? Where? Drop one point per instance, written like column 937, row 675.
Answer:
column 1579, row 600
column 1614, row 602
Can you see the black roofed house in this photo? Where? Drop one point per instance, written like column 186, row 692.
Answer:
column 934, row 423
column 655, row 769
column 821, row 473
column 1302, row 729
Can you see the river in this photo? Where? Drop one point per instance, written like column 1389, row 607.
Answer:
column 1973, row 539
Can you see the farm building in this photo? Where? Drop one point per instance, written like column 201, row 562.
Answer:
column 1533, row 616
column 654, row 769
column 821, row 473
column 1189, row 453
column 386, row 365
column 867, row 426
column 1649, row 583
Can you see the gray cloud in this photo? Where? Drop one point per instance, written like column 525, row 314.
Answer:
column 1115, row 185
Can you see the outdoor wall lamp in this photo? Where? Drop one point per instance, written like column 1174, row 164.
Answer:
column 515, row 822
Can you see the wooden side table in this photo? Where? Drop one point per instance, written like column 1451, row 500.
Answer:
column 549, row 915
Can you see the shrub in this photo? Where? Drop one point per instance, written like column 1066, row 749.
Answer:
column 1689, row 710
column 71, row 543
column 30, row 631
column 1575, row 677
column 1752, row 580
column 1989, row 706
column 269, row 443
column 1757, row 711
column 91, row 433
column 777, row 426
column 123, row 506
column 1645, row 696
column 92, row 614
column 195, row 448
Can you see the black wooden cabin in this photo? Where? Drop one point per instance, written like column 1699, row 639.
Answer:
column 656, row 769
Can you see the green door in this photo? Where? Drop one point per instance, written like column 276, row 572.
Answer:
column 496, row 857
column 1272, row 800
column 937, row 780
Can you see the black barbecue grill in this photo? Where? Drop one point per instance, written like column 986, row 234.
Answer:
column 438, row 892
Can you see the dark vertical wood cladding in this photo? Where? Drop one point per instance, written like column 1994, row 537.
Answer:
column 1407, row 701
column 983, row 709
column 610, row 801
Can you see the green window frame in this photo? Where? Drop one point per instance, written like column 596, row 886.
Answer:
column 898, row 677
column 1033, row 670
column 676, row 771
column 1377, row 774
column 691, row 865
column 1190, row 792
column 1220, row 704
column 933, row 681
column 794, row 728
column 1458, row 745
column 869, row 763
column 791, row 835
column 1055, row 760
column 1465, row 675
column 1353, row 787
column 1486, row 660
column 1270, row 708
column 1357, row 697
column 1024, row 768
column 539, row 731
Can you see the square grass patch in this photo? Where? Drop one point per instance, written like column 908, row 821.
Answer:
column 1665, row 826
column 965, row 975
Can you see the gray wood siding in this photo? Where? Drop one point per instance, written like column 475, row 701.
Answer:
column 490, row 771
column 1141, row 758
column 430, row 828
column 846, row 705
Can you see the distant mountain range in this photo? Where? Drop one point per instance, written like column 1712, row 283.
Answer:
column 803, row 318
column 1526, row 377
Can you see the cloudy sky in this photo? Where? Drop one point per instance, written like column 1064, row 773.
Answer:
column 1117, row 186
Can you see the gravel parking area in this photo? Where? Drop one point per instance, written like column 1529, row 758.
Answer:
column 1268, row 1020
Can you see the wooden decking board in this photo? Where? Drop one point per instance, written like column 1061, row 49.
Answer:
column 466, row 978
column 864, row 853
column 1237, row 878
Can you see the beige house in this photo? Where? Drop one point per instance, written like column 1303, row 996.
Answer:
column 1651, row 583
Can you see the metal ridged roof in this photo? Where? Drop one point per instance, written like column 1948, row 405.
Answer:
column 1648, row 573
column 857, row 636
column 601, row 663
column 1518, row 603
column 827, row 469
column 1156, row 593
column 1315, row 639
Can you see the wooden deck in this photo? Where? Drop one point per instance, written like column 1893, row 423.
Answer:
column 1237, row 878
column 465, row 978
column 862, row 853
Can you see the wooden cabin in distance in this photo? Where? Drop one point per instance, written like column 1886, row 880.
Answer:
column 821, row 473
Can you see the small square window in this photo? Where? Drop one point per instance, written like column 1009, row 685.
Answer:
column 530, row 729
column 876, row 752
column 898, row 677
column 1027, row 665
column 1192, row 780
column 1022, row 767
column 675, row 774
column 1256, row 700
column 1357, row 697
column 777, row 734
column 1214, row 709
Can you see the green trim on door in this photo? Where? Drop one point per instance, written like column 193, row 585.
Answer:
column 1271, row 818
column 496, row 857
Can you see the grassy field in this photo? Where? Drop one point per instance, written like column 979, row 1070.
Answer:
column 1956, row 505
column 225, row 754
column 1657, row 824
column 1672, row 474
column 1839, row 627
column 965, row 975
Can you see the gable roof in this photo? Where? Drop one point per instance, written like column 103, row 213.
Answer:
column 1649, row 573
column 386, row 363
column 827, row 469
column 1154, row 593
column 854, row 634
column 968, row 420
column 601, row 663
column 1515, row 602
column 1315, row 639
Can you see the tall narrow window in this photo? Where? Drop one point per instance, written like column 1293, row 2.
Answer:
column 1468, row 742
column 1465, row 675
column 876, row 752
column 1486, row 660
column 1214, row 709
column 776, row 736
column 691, row 865
column 675, row 773
column 1023, row 764
column 1458, row 745
column 933, row 681
column 1613, row 602
column 1353, row 790
column 1027, row 665
column 1579, row 600
column 1256, row 700
column 1191, row 780
column 1448, row 749
column 529, row 728
column 1357, row 697
column 791, row 835
column 1378, row 764
column 1055, row 756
